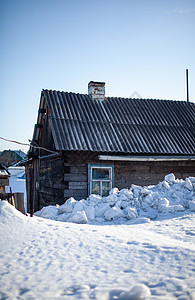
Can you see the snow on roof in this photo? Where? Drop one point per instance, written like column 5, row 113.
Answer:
column 3, row 171
column 17, row 171
column 20, row 153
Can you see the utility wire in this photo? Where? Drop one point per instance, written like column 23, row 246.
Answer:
column 30, row 145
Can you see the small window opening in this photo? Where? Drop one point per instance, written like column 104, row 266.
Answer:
column 101, row 179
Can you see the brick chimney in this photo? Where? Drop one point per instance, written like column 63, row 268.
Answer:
column 96, row 90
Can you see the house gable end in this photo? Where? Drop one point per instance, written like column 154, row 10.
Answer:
column 43, row 136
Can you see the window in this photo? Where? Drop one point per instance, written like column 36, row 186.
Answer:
column 100, row 179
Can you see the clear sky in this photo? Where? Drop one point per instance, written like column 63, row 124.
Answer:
column 132, row 45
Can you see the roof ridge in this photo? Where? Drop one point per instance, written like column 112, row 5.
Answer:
column 121, row 98
column 149, row 99
column 65, row 92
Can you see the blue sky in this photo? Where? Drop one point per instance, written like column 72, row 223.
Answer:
column 142, row 46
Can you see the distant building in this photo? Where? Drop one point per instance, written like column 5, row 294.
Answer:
column 11, row 157
column 4, row 178
column 103, row 142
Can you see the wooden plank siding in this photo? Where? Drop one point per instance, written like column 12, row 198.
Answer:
column 4, row 182
column 66, row 175
column 76, row 176
column 146, row 173
column 51, row 181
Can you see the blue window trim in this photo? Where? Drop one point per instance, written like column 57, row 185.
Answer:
column 99, row 166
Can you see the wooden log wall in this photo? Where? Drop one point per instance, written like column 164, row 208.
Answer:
column 146, row 173
column 4, row 182
column 125, row 173
column 65, row 176
column 51, row 189
column 76, row 175
column 31, row 179
column 27, row 173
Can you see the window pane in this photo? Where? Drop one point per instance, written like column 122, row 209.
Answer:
column 95, row 187
column 105, row 188
column 100, row 173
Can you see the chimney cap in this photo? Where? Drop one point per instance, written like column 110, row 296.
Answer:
column 98, row 83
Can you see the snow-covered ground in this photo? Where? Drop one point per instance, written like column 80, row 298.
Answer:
column 107, row 258
column 17, row 181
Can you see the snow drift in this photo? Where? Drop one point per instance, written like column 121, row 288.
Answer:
column 137, row 204
column 44, row 259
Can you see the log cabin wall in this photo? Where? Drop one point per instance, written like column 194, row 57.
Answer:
column 27, row 172
column 51, row 186
column 31, row 170
column 146, row 173
column 125, row 173
column 66, row 175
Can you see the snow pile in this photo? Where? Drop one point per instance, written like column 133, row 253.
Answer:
column 135, row 204
column 8, row 211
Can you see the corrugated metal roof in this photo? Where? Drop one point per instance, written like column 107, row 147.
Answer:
column 120, row 124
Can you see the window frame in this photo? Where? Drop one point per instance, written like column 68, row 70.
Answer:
column 90, row 180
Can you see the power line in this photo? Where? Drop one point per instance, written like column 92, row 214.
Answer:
column 24, row 144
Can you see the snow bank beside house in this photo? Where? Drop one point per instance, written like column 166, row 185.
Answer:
column 134, row 205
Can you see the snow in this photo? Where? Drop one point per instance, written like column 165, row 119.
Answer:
column 123, row 253
column 166, row 198
column 17, row 181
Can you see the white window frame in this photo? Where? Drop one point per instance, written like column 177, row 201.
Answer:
column 111, row 180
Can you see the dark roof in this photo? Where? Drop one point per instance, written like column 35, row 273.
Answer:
column 20, row 153
column 4, row 173
column 121, row 125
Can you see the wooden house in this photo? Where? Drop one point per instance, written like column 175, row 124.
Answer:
column 4, row 178
column 11, row 157
column 89, row 143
